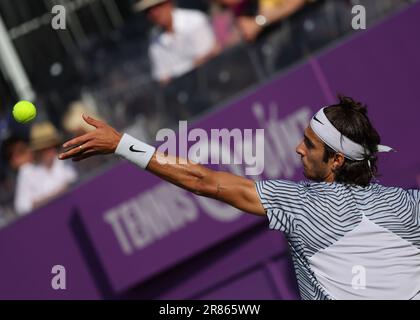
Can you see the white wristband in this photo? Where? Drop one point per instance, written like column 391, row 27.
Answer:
column 135, row 151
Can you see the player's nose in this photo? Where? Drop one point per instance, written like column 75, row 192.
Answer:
column 300, row 150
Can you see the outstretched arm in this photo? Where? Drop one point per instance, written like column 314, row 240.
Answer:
column 226, row 187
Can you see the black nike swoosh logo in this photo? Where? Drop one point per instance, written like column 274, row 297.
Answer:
column 134, row 150
column 316, row 119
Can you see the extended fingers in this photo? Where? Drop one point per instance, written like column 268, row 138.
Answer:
column 85, row 155
column 79, row 140
column 76, row 151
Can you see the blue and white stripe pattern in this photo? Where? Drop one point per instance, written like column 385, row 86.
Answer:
column 332, row 227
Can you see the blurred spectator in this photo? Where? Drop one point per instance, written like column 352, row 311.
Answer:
column 73, row 122
column 48, row 177
column 17, row 155
column 224, row 25
column 253, row 16
column 183, row 39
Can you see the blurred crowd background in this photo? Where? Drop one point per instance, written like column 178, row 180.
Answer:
column 141, row 66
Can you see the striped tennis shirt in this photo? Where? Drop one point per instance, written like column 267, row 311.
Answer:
column 348, row 242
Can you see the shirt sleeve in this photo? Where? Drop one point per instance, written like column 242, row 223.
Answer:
column 283, row 201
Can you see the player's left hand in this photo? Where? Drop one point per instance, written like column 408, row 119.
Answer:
column 103, row 140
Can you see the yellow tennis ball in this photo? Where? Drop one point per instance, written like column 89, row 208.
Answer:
column 24, row 111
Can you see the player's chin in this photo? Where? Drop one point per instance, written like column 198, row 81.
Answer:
column 309, row 175
column 313, row 178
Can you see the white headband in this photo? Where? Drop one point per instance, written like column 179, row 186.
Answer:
column 324, row 129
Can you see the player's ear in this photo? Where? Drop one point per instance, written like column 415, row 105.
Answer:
column 339, row 160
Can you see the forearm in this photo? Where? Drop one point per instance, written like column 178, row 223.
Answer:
column 234, row 190
column 185, row 174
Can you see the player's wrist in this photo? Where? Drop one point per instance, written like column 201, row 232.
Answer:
column 118, row 138
column 135, row 151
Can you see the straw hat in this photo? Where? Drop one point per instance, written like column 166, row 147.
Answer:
column 44, row 135
column 73, row 121
column 147, row 4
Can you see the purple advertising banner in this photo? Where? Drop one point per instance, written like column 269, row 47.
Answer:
column 126, row 226
column 31, row 247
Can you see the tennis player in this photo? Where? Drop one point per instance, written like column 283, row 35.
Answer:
column 350, row 238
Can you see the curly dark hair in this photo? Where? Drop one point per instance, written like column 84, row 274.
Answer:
column 350, row 118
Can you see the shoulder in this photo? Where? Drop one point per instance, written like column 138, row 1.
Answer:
column 276, row 186
column 27, row 171
column 190, row 17
column 296, row 191
column 304, row 186
column 28, row 178
column 394, row 194
column 394, row 190
column 28, row 167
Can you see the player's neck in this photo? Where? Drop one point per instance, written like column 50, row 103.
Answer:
column 330, row 178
